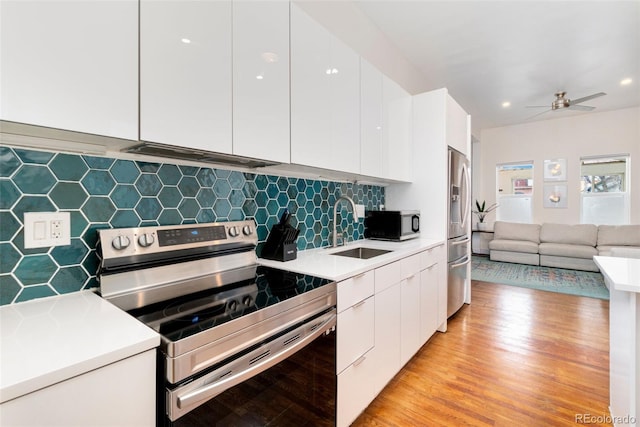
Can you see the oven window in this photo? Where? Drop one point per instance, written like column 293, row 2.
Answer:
column 300, row 390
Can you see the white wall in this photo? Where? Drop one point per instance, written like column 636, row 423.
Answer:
column 594, row 134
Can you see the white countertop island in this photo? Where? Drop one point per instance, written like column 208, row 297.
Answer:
column 622, row 276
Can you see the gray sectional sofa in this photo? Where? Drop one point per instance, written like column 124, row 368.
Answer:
column 560, row 245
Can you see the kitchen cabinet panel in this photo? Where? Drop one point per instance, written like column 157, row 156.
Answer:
column 71, row 65
column 387, row 335
column 429, row 301
column 371, row 152
column 325, row 97
column 261, row 80
column 185, row 73
column 355, row 333
column 388, row 275
column 355, row 289
column 458, row 127
column 119, row 394
column 397, row 110
column 410, row 318
column 356, row 389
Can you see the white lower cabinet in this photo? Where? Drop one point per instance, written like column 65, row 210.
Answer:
column 387, row 335
column 119, row 394
column 356, row 388
column 429, row 301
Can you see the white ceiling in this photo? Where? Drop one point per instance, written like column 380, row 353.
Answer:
column 489, row 52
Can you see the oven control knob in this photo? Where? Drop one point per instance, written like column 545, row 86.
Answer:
column 233, row 231
column 232, row 305
column 247, row 230
column 120, row 243
column 247, row 301
column 146, row 240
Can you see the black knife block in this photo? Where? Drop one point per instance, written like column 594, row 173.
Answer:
column 281, row 243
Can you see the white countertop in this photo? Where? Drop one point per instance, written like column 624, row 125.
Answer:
column 622, row 273
column 319, row 262
column 48, row 340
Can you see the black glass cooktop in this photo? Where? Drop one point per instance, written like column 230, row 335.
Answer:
column 188, row 315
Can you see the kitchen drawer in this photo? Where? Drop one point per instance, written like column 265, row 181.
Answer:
column 410, row 266
column 388, row 276
column 354, row 290
column 356, row 389
column 355, row 333
column 430, row 257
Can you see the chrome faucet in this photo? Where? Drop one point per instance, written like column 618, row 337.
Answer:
column 335, row 217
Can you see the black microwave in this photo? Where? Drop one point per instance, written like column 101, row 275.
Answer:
column 392, row 225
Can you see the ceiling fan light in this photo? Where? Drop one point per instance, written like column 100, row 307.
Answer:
column 625, row 82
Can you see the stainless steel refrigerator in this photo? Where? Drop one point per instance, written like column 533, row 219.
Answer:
column 458, row 234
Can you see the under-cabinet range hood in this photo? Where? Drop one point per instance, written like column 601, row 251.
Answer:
column 182, row 153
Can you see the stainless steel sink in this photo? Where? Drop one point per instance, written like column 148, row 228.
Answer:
column 361, row 253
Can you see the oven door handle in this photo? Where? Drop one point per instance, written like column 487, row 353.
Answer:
column 213, row 389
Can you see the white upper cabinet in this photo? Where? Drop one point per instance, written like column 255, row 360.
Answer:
column 370, row 120
column 396, row 126
column 458, row 128
column 261, row 80
column 71, row 65
column 185, row 73
column 325, row 97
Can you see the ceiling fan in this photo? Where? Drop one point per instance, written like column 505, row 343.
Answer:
column 561, row 103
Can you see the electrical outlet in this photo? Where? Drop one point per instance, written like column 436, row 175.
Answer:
column 45, row 229
column 360, row 211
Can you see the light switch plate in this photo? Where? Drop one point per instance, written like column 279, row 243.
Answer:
column 360, row 211
column 45, row 229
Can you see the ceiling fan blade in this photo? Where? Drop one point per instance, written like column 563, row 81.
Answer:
column 580, row 107
column 586, row 98
column 536, row 106
column 536, row 115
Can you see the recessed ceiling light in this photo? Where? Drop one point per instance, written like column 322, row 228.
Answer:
column 259, row 77
column 185, row 40
column 506, row 104
column 626, row 81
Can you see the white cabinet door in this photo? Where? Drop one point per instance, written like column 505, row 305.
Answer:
column 261, row 80
column 397, row 111
column 387, row 335
column 458, row 131
column 429, row 301
column 370, row 120
column 71, row 65
column 355, row 333
column 325, row 97
column 356, row 389
column 185, row 73
column 410, row 318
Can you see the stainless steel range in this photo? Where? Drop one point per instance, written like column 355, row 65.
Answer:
column 228, row 326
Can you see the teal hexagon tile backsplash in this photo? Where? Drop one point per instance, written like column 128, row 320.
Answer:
column 103, row 192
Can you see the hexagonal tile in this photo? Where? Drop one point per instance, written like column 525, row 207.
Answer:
column 78, row 223
column 69, row 279
column 206, row 198
column 125, row 171
column 261, row 215
column 189, row 170
column 282, row 183
column 169, row 174
column 283, row 200
column 148, row 208
column 68, row 195
column 34, row 179
column 206, row 215
column 222, row 173
column 9, row 162
column 91, row 263
column 170, row 217
column 9, row 289
column 148, row 167
column 72, row 254
column 249, row 208
column 98, row 209
column 261, row 182
column 90, row 235
column 68, row 167
column 273, row 208
column 222, row 208
column 98, row 182
column 9, row 194
column 94, row 162
column 34, row 292
column 222, row 188
column 189, row 208
column 32, row 156
column 125, row 196
column 9, row 226
column 148, row 184
column 236, row 198
column 125, row 218
column 261, row 198
column 236, row 214
column 9, row 257
column 206, row 177
column 272, row 190
column 250, row 189
column 170, row 197
column 35, row 269
column 236, row 180
column 189, row 186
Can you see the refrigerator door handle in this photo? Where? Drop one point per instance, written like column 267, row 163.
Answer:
column 460, row 264
column 467, row 200
column 459, row 242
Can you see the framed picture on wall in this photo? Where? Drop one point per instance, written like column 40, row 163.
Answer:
column 555, row 170
column 555, row 196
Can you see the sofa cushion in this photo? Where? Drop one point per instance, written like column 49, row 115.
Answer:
column 516, row 231
column 619, row 235
column 514, row 246
column 564, row 250
column 578, row 234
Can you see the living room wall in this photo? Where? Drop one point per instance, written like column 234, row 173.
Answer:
column 570, row 138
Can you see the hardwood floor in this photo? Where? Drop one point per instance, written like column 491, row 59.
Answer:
column 514, row 357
